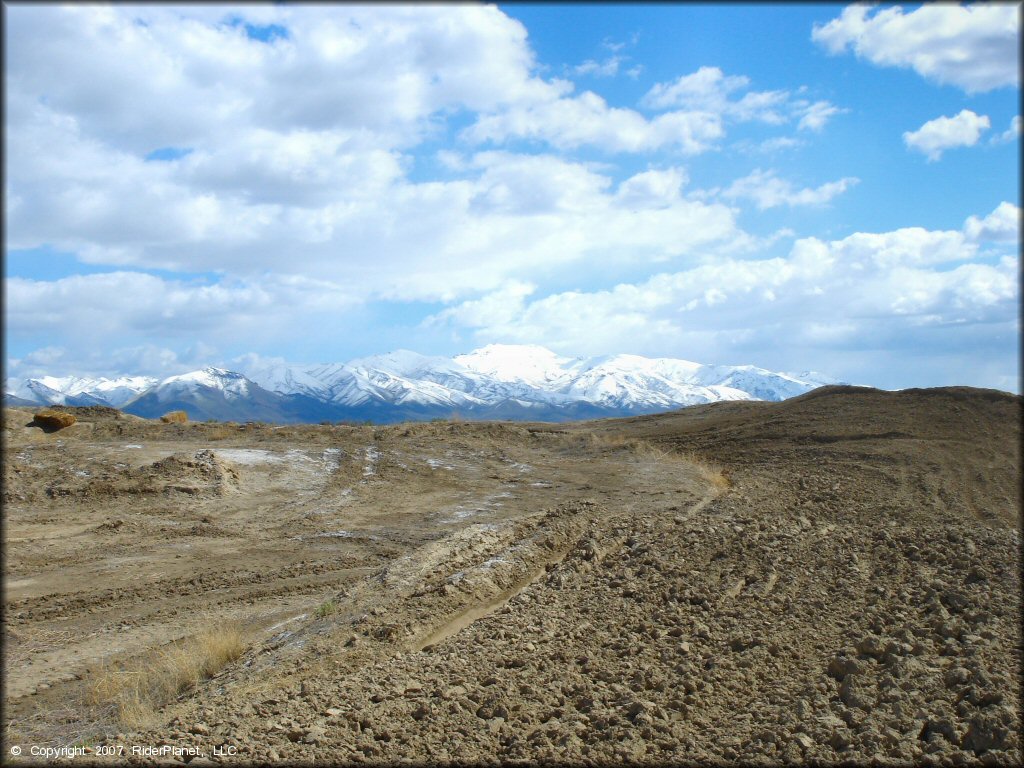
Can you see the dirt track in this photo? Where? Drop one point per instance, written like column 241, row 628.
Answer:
column 509, row 592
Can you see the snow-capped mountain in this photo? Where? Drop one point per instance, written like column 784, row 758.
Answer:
column 496, row 381
column 212, row 393
column 75, row 390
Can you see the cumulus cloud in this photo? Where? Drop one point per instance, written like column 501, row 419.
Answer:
column 936, row 136
column 710, row 90
column 292, row 156
column 974, row 47
column 825, row 299
column 767, row 190
column 1000, row 226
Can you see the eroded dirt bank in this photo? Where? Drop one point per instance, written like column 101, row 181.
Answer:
column 530, row 592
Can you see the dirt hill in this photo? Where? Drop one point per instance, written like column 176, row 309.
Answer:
column 831, row 578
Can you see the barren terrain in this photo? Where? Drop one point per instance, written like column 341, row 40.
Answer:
column 831, row 578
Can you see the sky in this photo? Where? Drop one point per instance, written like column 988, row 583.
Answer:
column 798, row 187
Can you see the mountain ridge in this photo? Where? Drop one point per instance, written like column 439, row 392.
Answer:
column 511, row 382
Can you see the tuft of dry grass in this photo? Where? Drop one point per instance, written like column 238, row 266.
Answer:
column 174, row 417
column 220, row 433
column 136, row 690
column 711, row 471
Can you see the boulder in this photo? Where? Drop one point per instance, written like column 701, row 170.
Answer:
column 51, row 421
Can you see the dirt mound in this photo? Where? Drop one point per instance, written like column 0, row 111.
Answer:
column 954, row 451
column 202, row 474
column 90, row 412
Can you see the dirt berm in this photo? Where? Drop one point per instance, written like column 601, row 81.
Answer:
column 834, row 578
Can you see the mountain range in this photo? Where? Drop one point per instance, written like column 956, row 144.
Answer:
column 514, row 382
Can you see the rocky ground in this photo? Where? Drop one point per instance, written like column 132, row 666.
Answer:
column 835, row 578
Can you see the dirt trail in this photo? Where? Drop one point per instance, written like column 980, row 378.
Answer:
column 124, row 535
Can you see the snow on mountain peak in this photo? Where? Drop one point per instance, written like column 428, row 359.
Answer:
column 498, row 378
column 229, row 382
column 528, row 363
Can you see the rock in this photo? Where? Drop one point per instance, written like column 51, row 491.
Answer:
column 589, row 550
column 51, row 421
column 871, row 645
column 956, row 677
column 841, row 666
column 314, row 735
column 942, row 727
column 976, row 574
column 803, row 741
column 988, row 731
column 840, row 739
column 853, row 692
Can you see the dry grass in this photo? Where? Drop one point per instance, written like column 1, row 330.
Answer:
column 174, row 417
column 711, row 471
column 221, row 433
column 136, row 690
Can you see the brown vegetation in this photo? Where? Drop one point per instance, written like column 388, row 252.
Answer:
column 135, row 690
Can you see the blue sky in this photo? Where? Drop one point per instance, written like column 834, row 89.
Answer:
column 800, row 187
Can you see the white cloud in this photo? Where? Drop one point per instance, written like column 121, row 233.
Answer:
column 379, row 68
column 975, row 47
column 1010, row 134
column 515, row 215
column 1000, row 226
column 499, row 307
column 942, row 133
column 87, row 360
column 817, row 115
column 711, row 91
column 114, row 306
column 332, row 204
column 708, row 89
column 767, row 190
column 778, row 143
column 836, row 303
column 587, row 120
column 607, row 68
